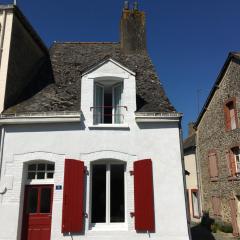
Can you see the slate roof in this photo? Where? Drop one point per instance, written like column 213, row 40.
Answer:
column 231, row 56
column 190, row 142
column 70, row 59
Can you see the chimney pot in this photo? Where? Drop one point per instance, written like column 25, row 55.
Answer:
column 126, row 5
column 135, row 6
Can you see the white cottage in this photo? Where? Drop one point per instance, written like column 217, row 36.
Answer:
column 95, row 152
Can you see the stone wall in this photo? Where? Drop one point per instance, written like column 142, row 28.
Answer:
column 211, row 135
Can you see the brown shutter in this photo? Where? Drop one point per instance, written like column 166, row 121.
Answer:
column 231, row 163
column 213, row 166
column 227, row 118
column 233, row 209
column 73, row 194
column 143, row 196
column 216, row 205
column 228, row 159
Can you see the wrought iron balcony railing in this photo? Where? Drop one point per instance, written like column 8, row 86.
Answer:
column 108, row 114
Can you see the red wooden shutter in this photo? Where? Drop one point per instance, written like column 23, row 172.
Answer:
column 143, row 196
column 233, row 208
column 227, row 117
column 73, row 194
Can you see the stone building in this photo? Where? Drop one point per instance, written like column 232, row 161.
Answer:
column 218, row 141
column 192, row 191
column 93, row 152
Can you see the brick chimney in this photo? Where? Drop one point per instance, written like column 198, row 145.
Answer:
column 133, row 30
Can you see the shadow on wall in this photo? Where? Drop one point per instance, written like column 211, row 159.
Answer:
column 202, row 231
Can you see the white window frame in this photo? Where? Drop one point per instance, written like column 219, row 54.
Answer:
column 119, row 83
column 108, row 226
column 45, row 180
column 114, row 110
column 96, row 84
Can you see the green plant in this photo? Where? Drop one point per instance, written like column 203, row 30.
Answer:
column 226, row 228
column 214, row 227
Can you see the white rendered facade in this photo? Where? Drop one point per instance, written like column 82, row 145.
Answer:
column 141, row 136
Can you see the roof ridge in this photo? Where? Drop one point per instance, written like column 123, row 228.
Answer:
column 56, row 42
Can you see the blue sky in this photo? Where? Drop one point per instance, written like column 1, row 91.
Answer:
column 188, row 40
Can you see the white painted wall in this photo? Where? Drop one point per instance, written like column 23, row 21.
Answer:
column 55, row 142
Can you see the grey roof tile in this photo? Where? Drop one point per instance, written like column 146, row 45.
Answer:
column 70, row 59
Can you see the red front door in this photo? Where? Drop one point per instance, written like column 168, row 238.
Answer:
column 37, row 213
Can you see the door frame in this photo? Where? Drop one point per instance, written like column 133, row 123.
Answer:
column 24, row 215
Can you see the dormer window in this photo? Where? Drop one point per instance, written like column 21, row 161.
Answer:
column 108, row 107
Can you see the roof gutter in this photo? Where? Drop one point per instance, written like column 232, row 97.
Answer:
column 157, row 117
column 45, row 117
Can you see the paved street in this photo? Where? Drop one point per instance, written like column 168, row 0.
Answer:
column 201, row 233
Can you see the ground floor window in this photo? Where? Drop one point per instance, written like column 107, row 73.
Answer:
column 108, row 192
column 195, row 204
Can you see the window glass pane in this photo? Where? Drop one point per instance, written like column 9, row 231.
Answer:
column 40, row 175
column 45, row 206
column 41, row 166
column 98, row 193
column 31, row 175
column 50, row 167
column 117, row 193
column 32, row 167
column 32, row 200
column 195, row 204
column 50, row 175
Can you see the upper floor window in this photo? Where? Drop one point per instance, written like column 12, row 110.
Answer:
column 231, row 120
column 108, row 107
column 40, row 171
column 234, row 161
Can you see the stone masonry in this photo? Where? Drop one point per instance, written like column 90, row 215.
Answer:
column 212, row 135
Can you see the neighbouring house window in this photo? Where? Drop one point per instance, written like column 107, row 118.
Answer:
column 231, row 119
column 108, row 193
column 195, row 204
column 236, row 160
column 216, row 206
column 213, row 165
column 40, row 171
column 108, row 107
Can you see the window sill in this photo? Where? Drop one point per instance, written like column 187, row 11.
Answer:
column 109, row 126
column 213, row 179
column 233, row 178
column 108, row 227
